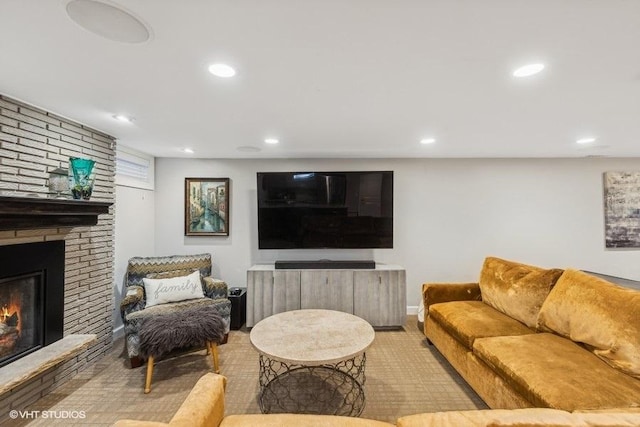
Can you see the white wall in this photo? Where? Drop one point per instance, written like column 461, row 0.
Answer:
column 449, row 214
column 134, row 236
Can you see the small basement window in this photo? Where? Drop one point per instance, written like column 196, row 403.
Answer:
column 134, row 169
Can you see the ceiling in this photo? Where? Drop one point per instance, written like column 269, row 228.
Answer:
column 334, row 79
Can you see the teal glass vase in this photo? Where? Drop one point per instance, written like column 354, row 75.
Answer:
column 81, row 177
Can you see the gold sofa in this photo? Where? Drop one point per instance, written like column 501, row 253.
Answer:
column 204, row 407
column 525, row 336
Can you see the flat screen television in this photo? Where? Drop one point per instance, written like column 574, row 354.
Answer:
column 298, row 210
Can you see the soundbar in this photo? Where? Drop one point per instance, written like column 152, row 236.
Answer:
column 325, row 264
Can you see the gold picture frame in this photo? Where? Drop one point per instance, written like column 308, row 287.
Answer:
column 206, row 207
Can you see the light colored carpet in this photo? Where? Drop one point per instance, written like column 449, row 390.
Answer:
column 404, row 376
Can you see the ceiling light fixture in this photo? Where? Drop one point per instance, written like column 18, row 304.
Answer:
column 528, row 70
column 271, row 141
column 588, row 140
column 187, row 150
column 222, row 70
column 123, row 118
column 426, row 141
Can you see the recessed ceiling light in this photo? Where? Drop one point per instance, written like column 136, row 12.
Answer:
column 528, row 70
column 187, row 150
column 123, row 118
column 427, row 141
column 108, row 21
column 222, row 70
column 588, row 140
column 271, row 141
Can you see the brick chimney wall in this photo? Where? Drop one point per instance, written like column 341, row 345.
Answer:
column 34, row 142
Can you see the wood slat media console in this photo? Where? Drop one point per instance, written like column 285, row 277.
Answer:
column 377, row 295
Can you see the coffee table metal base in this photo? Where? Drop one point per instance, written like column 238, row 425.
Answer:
column 331, row 389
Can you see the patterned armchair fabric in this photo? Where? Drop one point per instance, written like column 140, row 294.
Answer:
column 132, row 307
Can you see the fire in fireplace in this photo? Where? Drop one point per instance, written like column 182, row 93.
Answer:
column 20, row 314
column 31, row 297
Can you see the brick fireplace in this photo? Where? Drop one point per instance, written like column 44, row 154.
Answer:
column 34, row 142
column 31, row 298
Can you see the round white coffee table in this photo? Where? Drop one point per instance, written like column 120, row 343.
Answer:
column 312, row 361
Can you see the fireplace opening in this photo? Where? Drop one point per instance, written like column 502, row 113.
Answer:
column 31, row 298
column 20, row 316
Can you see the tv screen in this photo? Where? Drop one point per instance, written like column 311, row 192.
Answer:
column 325, row 210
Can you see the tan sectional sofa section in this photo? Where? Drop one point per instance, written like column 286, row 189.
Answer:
column 204, row 407
column 542, row 347
column 525, row 336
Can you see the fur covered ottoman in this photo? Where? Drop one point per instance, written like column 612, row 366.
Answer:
column 196, row 327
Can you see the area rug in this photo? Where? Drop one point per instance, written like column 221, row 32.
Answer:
column 404, row 376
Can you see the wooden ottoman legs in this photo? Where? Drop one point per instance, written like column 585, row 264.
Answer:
column 147, row 382
column 212, row 347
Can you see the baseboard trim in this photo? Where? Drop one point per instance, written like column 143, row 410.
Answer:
column 412, row 310
column 118, row 332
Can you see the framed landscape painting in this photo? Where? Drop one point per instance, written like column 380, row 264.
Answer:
column 622, row 209
column 206, row 207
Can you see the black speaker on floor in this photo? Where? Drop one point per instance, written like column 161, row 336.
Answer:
column 238, row 298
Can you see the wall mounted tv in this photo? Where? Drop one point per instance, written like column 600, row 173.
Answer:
column 325, row 210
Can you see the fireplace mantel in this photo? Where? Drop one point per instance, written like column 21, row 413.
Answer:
column 28, row 213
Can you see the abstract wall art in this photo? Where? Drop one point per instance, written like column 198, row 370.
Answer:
column 622, row 209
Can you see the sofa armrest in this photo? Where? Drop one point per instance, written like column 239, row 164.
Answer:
column 132, row 301
column 434, row 293
column 204, row 406
column 138, row 423
column 215, row 288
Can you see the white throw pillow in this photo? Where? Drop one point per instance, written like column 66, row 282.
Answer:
column 162, row 291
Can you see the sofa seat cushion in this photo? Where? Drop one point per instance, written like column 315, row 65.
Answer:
column 296, row 420
column 604, row 316
column 487, row 417
column 518, row 290
column 551, row 371
column 610, row 419
column 468, row 320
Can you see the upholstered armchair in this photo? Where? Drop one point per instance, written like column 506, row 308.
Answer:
column 134, row 308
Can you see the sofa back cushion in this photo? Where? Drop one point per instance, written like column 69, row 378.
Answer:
column 603, row 316
column 517, row 290
column 610, row 419
column 486, row 417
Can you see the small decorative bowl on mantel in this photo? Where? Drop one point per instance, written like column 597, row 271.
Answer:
column 59, row 183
